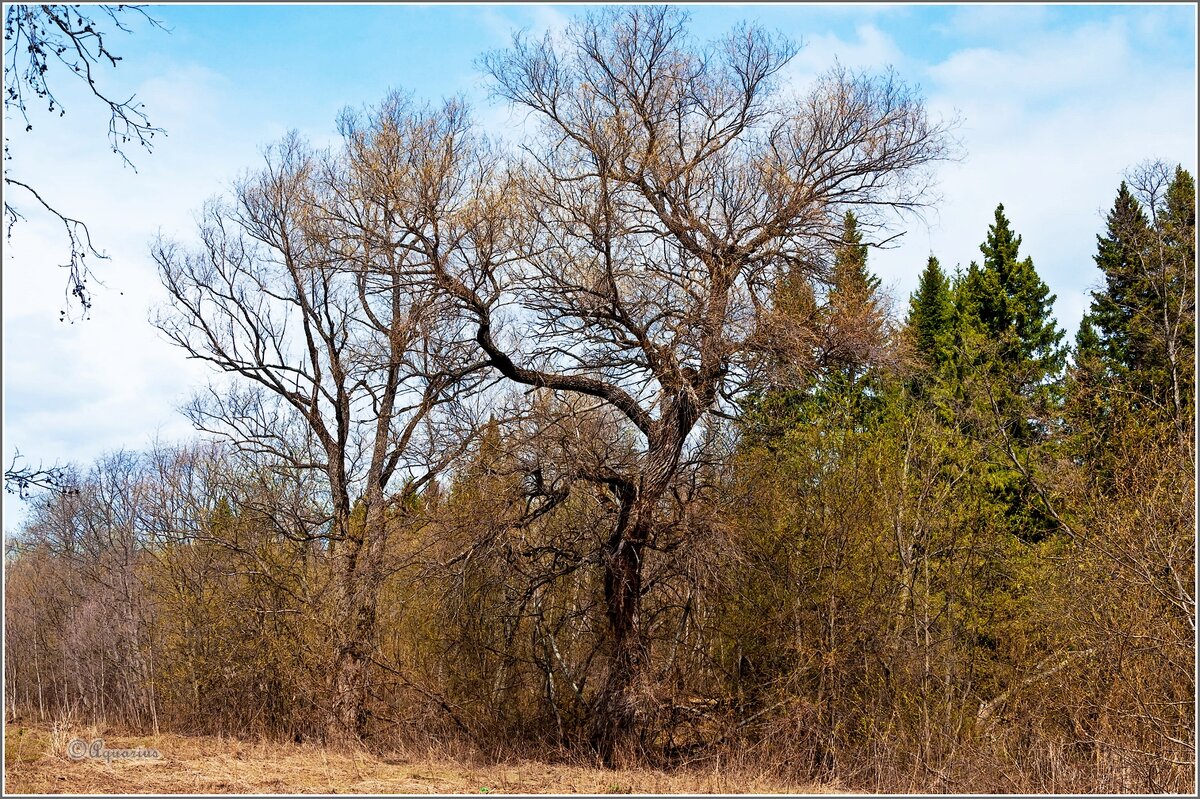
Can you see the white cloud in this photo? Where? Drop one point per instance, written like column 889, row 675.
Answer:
column 986, row 19
column 1049, row 125
column 502, row 22
column 1042, row 66
column 869, row 50
column 548, row 18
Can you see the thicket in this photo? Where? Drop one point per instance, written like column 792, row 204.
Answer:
column 931, row 549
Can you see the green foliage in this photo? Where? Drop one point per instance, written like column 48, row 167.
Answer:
column 875, row 561
column 1000, row 384
column 901, row 570
column 853, row 285
column 1116, row 309
column 855, row 342
column 856, row 333
column 930, row 315
column 1006, row 301
column 1140, row 355
column 1093, row 400
column 1179, row 239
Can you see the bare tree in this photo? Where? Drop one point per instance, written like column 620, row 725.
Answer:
column 41, row 41
column 301, row 293
column 630, row 258
column 638, row 241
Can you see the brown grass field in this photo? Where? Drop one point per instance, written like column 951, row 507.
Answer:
column 36, row 761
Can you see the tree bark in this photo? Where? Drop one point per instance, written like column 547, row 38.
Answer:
column 348, row 722
column 624, row 702
column 618, row 710
column 355, row 628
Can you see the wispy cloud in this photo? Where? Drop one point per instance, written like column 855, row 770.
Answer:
column 1051, row 119
column 986, row 19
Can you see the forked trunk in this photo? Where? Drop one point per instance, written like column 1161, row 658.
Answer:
column 625, row 701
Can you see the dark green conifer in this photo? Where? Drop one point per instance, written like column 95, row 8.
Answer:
column 930, row 311
column 1013, row 307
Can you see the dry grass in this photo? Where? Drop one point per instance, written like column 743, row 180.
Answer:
column 35, row 761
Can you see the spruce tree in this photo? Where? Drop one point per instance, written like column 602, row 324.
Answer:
column 852, row 281
column 1145, row 314
column 1179, row 239
column 857, row 334
column 1003, row 375
column 841, row 380
column 930, row 313
column 1003, row 330
column 1120, row 254
column 855, row 318
column 1013, row 307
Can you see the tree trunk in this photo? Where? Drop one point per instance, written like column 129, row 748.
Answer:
column 625, row 701
column 355, row 629
column 619, row 708
column 354, row 643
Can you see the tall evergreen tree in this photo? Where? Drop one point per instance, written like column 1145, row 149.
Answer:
column 1179, row 294
column 856, row 323
column 1120, row 254
column 1012, row 306
column 857, row 338
column 930, row 313
column 853, row 340
column 852, row 281
column 1145, row 314
column 1002, row 376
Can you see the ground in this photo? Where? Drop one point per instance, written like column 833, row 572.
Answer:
column 36, row 761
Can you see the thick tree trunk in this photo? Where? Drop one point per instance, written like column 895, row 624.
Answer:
column 355, row 628
column 625, row 700
column 354, row 643
column 619, row 708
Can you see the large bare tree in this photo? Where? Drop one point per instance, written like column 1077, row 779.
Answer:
column 630, row 255
column 304, row 291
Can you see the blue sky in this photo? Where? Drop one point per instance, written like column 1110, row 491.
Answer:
column 1056, row 102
